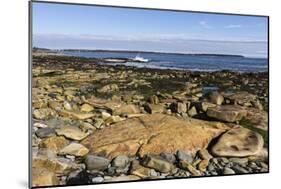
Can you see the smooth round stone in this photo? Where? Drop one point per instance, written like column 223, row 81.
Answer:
column 45, row 132
column 228, row 171
column 184, row 156
column 97, row 179
column 241, row 161
column 238, row 142
column 120, row 161
column 96, row 162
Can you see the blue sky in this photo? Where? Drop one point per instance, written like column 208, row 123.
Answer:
column 61, row 26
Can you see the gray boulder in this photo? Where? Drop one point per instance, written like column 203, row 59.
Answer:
column 96, row 162
column 184, row 156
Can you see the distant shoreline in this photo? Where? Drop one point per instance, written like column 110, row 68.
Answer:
column 135, row 52
column 102, row 62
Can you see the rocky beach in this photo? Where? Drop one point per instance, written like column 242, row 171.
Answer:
column 96, row 123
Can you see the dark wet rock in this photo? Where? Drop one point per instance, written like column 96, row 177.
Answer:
column 45, row 132
column 78, row 178
column 178, row 107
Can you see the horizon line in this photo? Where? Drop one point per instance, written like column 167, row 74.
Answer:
column 143, row 51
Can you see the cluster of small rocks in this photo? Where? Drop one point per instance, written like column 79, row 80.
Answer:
column 164, row 165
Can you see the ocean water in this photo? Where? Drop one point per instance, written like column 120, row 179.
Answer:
column 183, row 61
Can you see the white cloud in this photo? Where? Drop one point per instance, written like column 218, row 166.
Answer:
column 204, row 24
column 163, row 43
column 161, row 37
column 233, row 26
